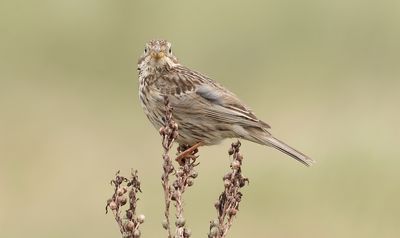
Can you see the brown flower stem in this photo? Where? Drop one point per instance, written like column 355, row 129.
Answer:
column 228, row 203
column 129, row 225
column 184, row 177
column 169, row 133
column 119, row 221
column 167, row 198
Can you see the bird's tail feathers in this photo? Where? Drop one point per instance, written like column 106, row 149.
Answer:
column 285, row 148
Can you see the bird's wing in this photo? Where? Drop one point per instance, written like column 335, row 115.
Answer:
column 201, row 94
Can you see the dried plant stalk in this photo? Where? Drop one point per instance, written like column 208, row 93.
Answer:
column 184, row 175
column 169, row 133
column 129, row 225
column 228, row 203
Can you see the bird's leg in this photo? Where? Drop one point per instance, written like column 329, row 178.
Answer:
column 186, row 152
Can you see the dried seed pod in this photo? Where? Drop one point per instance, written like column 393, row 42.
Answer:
column 235, row 164
column 242, row 183
column 129, row 214
column 141, row 218
column 227, row 183
column 176, row 184
column 132, row 193
column 180, row 222
column 227, row 176
column 239, row 157
column 136, row 234
column 120, row 191
column 189, row 182
column 180, row 172
column 214, row 223
column 214, row 231
column 113, row 205
column 129, row 226
column 194, row 174
column 122, row 200
column 217, row 204
column 165, row 224
column 187, row 232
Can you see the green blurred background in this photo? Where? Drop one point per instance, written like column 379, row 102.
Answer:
column 324, row 74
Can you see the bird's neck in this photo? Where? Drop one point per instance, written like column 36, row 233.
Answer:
column 152, row 68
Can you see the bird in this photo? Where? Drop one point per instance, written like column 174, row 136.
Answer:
column 205, row 111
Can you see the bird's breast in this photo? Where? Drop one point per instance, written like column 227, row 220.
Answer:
column 151, row 100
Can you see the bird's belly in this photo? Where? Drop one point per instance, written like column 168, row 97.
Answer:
column 194, row 127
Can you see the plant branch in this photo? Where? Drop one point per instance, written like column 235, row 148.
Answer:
column 228, row 203
column 128, row 226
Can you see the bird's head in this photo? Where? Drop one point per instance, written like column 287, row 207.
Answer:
column 157, row 54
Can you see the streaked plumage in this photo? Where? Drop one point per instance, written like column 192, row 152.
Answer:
column 205, row 111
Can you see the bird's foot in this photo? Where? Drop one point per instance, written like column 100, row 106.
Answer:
column 185, row 152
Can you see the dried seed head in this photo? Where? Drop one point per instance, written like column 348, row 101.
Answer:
column 239, row 157
column 136, row 234
column 227, row 176
column 165, row 224
column 242, row 183
column 236, row 144
column 129, row 214
column 227, row 183
column 176, row 184
column 238, row 197
column 141, row 218
column 214, row 223
column 235, row 164
column 113, row 206
column 180, row 172
column 166, row 157
column 214, row 231
column 132, row 193
column 187, row 232
column 194, row 174
column 129, row 225
column 230, row 151
column 189, row 182
column 122, row 200
column 180, row 222
column 120, row 192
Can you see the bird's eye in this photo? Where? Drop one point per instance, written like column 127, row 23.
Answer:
column 170, row 50
column 145, row 50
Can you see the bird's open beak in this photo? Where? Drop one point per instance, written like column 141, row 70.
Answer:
column 157, row 55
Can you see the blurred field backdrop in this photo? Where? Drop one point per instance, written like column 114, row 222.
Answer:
column 324, row 74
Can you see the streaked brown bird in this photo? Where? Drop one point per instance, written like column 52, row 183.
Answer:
column 205, row 111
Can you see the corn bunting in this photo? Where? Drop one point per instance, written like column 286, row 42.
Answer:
column 205, row 111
